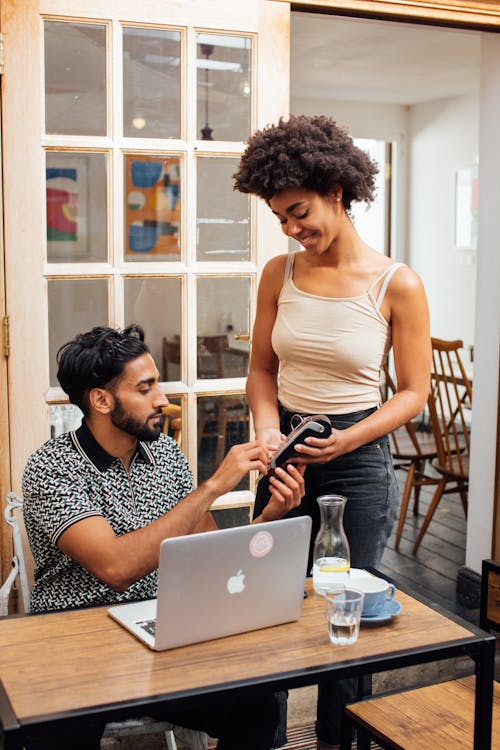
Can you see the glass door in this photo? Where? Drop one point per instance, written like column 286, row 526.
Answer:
column 137, row 122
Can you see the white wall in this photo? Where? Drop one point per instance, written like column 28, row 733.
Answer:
column 443, row 137
column 487, row 332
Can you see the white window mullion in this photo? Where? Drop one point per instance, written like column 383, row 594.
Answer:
column 115, row 176
column 117, row 301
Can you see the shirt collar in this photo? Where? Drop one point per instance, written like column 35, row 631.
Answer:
column 87, row 445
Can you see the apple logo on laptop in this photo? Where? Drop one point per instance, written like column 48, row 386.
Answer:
column 236, row 584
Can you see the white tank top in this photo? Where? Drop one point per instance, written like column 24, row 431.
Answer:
column 330, row 349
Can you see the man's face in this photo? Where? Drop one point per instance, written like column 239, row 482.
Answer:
column 138, row 400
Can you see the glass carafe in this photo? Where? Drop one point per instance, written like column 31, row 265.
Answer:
column 331, row 558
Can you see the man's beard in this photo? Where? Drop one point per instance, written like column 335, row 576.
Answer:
column 140, row 430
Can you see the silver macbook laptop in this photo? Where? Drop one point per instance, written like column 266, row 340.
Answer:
column 223, row 582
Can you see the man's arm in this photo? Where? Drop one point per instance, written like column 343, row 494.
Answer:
column 119, row 561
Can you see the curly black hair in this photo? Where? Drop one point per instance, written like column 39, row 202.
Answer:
column 97, row 359
column 309, row 152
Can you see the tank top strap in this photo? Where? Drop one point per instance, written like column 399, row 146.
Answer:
column 288, row 267
column 386, row 276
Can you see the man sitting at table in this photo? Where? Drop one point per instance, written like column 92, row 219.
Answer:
column 98, row 502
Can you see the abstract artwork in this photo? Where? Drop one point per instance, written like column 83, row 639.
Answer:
column 152, row 214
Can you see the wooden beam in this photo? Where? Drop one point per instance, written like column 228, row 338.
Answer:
column 480, row 15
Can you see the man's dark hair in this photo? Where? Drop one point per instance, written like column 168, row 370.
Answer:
column 96, row 359
column 308, row 152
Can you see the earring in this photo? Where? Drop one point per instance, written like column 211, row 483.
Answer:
column 338, row 198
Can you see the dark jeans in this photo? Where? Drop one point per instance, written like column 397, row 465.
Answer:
column 366, row 477
column 247, row 723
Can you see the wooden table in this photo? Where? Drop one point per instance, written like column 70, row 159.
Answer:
column 63, row 667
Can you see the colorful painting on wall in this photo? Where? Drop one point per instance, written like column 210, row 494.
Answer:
column 152, row 215
column 66, row 198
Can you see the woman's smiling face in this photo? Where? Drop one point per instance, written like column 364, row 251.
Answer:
column 311, row 219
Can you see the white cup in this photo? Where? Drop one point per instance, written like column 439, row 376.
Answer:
column 377, row 593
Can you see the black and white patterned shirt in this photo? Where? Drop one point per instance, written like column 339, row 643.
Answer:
column 71, row 478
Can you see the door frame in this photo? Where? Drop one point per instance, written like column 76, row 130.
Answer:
column 5, row 478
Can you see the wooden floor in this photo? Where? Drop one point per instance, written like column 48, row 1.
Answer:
column 433, row 571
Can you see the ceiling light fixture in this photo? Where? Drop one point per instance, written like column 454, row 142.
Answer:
column 206, row 132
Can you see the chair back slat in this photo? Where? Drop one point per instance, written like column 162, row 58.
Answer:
column 450, row 393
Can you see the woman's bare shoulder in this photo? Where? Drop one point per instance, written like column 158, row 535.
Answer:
column 405, row 280
column 276, row 265
column 273, row 273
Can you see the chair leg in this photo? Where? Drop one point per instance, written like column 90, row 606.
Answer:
column 221, row 433
column 463, row 497
column 432, row 509
column 404, row 503
column 419, row 470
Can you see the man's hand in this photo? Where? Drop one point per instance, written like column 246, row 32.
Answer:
column 286, row 486
column 271, row 438
column 237, row 463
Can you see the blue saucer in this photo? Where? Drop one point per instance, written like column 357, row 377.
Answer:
column 390, row 610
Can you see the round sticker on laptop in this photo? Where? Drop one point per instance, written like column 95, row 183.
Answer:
column 261, row 544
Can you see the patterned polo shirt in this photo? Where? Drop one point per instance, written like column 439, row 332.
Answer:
column 72, row 477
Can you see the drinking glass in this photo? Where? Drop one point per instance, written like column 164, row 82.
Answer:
column 343, row 610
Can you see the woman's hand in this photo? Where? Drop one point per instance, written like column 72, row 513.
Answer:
column 286, row 486
column 321, row 450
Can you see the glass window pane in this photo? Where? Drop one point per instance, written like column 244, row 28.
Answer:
column 222, row 422
column 75, row 306
column 155, row 304
column 151, row 83
column 152, row 207
column 64, row 418
column 222, row 213
column 223, row 87
column 223, row 325
column 75, row 78
column 76, row 207
column 370, row 220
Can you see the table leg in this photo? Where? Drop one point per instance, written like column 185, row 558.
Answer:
column 485, row 666
column 346, row 729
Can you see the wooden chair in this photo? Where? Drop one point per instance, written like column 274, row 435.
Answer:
column 171, row 358
column 172, row 422
column 23, row 565
column 449, row 402
column 411, row 448
column 436, row 716
column 22, row 573
column 215, row 414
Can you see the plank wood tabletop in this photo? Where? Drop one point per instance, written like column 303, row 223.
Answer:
column 70, row 661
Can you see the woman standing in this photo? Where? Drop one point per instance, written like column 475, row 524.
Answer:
column 326, row 319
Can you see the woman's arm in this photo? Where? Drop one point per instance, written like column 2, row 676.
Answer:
column 262, row 384
column 405, row 306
